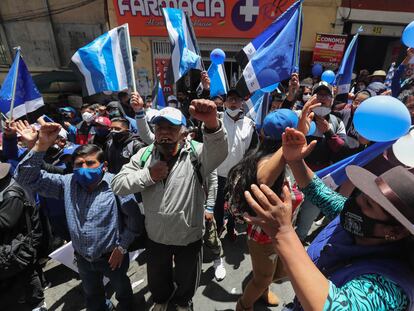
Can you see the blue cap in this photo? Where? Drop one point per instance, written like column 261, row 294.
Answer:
column 68, row 109
column 172, row 115
column 276, row 122
column 69, row 150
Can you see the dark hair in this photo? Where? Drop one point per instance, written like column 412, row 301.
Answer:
column 122, row 94
column 124, row 121
column 86, row 106
column 86, row 150
column 244, row 174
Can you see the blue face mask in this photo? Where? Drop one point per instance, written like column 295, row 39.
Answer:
column 88, row 176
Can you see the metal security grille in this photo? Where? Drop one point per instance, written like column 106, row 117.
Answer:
column 3, row 54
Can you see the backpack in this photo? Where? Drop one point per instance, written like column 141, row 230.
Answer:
column 141, row 241
column 22, row 250
column 193, row 156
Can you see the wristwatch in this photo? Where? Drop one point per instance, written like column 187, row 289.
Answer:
column 122, row 250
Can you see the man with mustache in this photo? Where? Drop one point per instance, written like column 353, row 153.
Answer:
column 170, row 175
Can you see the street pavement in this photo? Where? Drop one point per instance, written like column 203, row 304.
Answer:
column 65, row 292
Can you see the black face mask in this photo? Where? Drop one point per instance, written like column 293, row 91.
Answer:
column 167, row 148
column 220, row 108
column 120, row 137
column 357, row 223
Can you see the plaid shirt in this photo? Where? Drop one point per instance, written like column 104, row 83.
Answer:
column 95, row 223
column 256, row 233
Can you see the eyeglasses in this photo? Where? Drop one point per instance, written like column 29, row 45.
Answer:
column 307, row 93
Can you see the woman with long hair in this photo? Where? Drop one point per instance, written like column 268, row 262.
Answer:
column 264, row 165
column 361, row 260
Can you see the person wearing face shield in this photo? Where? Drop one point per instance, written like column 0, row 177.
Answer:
column 121, row 145
column 170, row 175
column 363, row 255
column 242, row 137
column 102, row 226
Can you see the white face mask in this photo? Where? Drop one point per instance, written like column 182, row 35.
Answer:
column 233, row 113
column 305, row 98
column 88, row 117
column 322, row 111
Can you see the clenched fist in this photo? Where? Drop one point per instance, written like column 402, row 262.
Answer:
column 137, row 103
column 159, row 171
column 205, row 111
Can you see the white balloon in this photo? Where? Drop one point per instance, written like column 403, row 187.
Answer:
column 404, row 149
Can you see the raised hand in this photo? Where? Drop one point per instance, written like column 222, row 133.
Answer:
column 159, row 171
column 47, row 135
column 274, row 215
column 205, row 80
column 205, row 111
column 137, row 103
column 27, row 132
column 307, row 115
column 294, row 86
column 10, row 129
column 295, row 147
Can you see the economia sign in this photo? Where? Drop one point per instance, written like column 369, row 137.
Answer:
column 210, row 18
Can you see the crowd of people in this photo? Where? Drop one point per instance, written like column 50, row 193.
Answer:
column 117, row 176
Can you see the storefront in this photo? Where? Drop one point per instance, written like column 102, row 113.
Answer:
column 383, row 23
column 228, row 25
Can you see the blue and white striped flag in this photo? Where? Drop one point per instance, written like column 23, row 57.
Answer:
column 27, row 98
column 272, row 31
column 334, row 176
column 218, row 80
column 390, row 75
column 104, row 64
column 257, row 107
column 158, row 99
column 185, row 53
column 277, row 58
column 344, row 75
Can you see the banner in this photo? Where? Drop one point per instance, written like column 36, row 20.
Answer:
column 161, row 71
column 210, row 18
column 329, row 50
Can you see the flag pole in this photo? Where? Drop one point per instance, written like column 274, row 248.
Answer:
column 16, row 74
column 297, row 47
column 131, row 62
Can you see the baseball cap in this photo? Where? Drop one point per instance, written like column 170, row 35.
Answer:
column 322, row 86
column 234, row 91
column 68, row 109
column 172, row 115
column 172, row 98
column 103, row 121
column 276, row 122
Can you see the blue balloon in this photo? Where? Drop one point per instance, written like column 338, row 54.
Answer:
column 317, row 70
column 328, row 76
column 408, row 35
column 382, row 118
column 217, row 56
column 312, row 129
column 270, row 88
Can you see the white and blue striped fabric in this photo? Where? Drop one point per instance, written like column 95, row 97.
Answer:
column 334, row 176
column 257, row 107
column 104, row 64
column 27, row 98
column 218, row 80
column 344, row 75
column 184, row 48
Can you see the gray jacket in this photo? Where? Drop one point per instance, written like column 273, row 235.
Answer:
column 174, row 210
